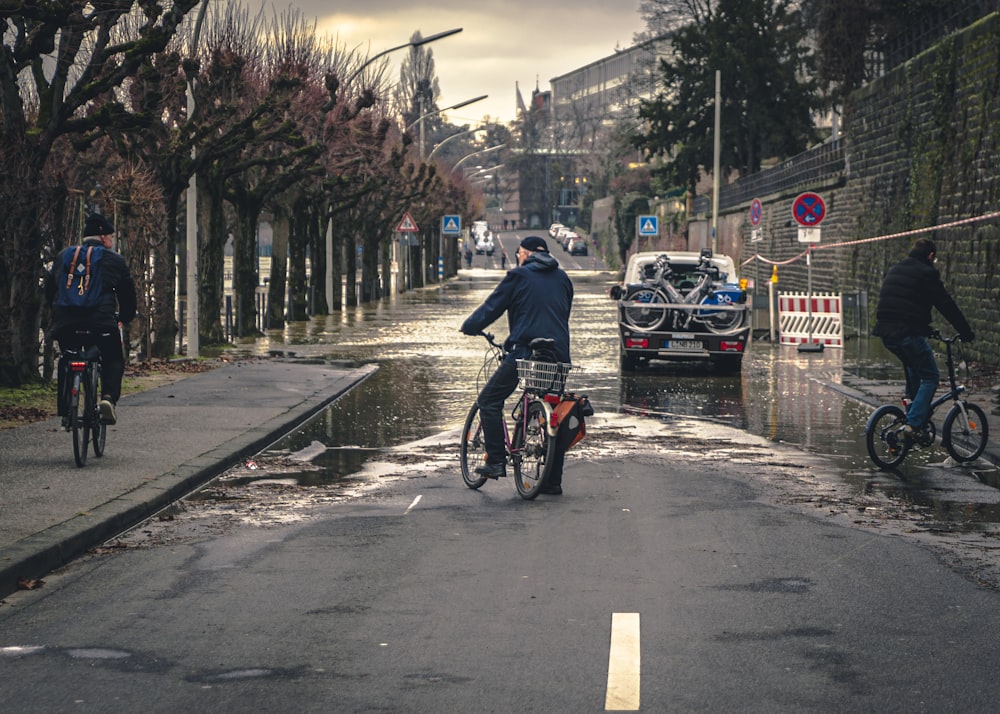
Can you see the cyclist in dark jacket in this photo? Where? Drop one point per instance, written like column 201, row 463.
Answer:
column 903, row 321
column 537, row 297
column 118, row 303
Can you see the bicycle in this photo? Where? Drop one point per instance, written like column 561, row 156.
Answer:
column 656, row 299
column 963, row 433
column 80, row 395
column 532, row 447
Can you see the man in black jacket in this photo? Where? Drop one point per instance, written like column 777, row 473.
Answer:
column 537, row 297
column 903, row 321
column 117, row 302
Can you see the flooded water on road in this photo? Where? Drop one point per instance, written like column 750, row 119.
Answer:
column 428, row 372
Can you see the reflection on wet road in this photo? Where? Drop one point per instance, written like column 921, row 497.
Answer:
column 428, row 372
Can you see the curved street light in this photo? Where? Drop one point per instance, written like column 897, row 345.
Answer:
column 475, row 153
column 420, row 119
column 455, row 136
column 415, row 43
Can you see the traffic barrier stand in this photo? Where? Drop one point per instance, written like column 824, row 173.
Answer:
column 827, row 319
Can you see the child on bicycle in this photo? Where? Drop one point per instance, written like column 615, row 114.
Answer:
column 903, row 320
column 537, row 296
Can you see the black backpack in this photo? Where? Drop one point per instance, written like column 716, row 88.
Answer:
column 81, row 283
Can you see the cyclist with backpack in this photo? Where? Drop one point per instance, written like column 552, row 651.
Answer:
column 91, row 289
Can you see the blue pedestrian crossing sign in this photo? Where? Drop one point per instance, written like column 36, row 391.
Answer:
column 451, row 225
column 648, row 225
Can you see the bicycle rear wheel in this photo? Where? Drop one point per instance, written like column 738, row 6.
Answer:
column 883, row 437
column 79, row 418
column 473, row 449
column 719, row 321
column 100, row 429
column 965, row 431
column 534, row 451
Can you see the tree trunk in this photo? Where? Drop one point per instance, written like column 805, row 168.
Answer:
column 317, row 252
column 163, row 318
column 211, row 260
column 279, row 255
column 245, row 275
column 297, row 240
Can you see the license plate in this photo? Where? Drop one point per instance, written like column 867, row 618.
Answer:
column 691, row 345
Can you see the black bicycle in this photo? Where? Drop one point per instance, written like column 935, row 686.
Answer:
column 80, row 395
column 533, row 446
column 963, row 433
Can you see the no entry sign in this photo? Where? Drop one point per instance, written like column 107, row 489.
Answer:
column 809, row 209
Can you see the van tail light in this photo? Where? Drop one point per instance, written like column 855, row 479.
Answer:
column 641, row 342
column 730, row 346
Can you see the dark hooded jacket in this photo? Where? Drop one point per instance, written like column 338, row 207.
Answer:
column 537, row 298
column 910, row 289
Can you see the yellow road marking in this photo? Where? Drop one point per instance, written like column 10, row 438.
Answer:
column 623, row 663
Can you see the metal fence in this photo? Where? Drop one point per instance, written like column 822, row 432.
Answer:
column 823, row 162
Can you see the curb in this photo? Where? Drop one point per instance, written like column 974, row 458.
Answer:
column 41, row 553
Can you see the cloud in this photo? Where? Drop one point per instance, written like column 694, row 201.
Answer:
column 501, row 43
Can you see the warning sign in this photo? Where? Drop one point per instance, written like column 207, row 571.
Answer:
column 407, row 225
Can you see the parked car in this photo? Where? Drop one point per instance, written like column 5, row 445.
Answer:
column 714, row 326
column 561, row 235
column 482, row 237
column 554, row 229
column 576, row 245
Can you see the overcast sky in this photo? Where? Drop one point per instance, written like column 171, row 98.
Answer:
column 502, row 43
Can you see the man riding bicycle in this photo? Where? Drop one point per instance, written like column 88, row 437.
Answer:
column 537, row 297
column 903, row 321
column 76, row 270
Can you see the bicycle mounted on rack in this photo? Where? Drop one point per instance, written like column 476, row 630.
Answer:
column 681, row 305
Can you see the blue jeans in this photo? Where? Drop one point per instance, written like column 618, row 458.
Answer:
column 922, row 374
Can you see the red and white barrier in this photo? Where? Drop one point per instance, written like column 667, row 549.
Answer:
column 827, row 326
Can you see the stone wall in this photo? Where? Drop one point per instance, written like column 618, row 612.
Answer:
column 922, row 149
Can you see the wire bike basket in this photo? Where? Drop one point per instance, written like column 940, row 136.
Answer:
column 549, row 377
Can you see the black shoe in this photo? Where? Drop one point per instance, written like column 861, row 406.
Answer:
column 552, row 490
column 492, row 470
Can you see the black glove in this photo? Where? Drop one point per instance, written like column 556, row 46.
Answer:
column 968, row 336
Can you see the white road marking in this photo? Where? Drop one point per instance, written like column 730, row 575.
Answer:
column 623, row 663
column 412, row 505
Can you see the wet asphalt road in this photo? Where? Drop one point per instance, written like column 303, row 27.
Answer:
column 349, row 570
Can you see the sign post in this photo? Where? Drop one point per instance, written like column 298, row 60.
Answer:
column 809, row 210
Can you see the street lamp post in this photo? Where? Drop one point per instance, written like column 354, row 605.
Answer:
column 475, row 153
column 354, row 75
column 452, row 137
column 420, row 120
column 194, row 345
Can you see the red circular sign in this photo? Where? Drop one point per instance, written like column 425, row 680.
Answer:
column 809, row 209
column 756, row 209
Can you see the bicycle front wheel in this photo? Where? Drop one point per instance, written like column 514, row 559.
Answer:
column 100, row 429
column 473, row 449
column 650, row 313
column 883, row 437
column 80, row 418
column 534, row 450
column 965, row 432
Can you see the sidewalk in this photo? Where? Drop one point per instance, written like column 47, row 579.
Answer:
column 168, row 441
